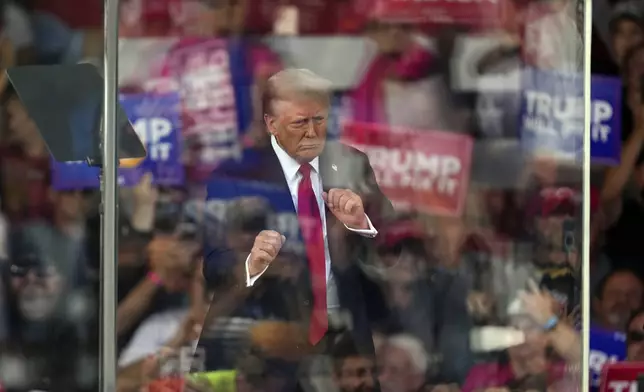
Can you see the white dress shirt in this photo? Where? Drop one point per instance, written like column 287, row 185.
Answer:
column 291, row 168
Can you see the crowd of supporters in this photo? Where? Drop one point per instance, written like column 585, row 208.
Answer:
column 499, row 259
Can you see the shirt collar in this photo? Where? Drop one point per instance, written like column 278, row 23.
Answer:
column 289, row 165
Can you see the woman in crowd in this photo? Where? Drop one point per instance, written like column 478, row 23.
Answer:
column 621, row 190
column 626, row 29
column 400, row 85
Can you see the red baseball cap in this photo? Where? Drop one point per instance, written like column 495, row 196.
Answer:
column 399, row 231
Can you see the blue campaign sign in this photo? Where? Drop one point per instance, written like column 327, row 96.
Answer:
column 606, row 119
column 552, row 115
column 605, row 347
column 155, row 118
column 265, row 199
column 340, row 111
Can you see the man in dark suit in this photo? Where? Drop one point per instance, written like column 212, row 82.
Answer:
column 338, row 206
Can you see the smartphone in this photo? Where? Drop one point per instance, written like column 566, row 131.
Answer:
column 168, row 213
column 568, row 233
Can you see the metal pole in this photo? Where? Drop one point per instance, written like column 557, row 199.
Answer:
column 585, row 252
column 109, row 198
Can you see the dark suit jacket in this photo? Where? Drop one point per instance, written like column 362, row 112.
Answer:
column 340, row 167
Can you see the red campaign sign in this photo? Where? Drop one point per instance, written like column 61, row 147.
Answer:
column 166, row 18
column 621, row 376
column 425, row 170
column 478, row 13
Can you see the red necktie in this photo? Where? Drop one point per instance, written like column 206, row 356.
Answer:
column 308, row 214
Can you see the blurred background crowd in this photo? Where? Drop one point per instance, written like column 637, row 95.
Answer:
column 469, row 112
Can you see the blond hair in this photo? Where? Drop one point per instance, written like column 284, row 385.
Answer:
column 295, row 82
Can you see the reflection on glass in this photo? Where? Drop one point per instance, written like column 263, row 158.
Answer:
column 338, row 195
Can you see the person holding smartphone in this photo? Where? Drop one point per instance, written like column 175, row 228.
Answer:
column 157, row 277
column 622, row 193
column 540, row 363
column 168, row 336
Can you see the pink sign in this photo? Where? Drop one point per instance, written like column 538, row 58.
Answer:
column 425, row 170
column 200, row 68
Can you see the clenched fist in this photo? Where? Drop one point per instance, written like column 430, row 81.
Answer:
column 266, row 247
column 347, row 208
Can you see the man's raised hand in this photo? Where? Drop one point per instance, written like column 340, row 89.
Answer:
column 266, row 247
column 347, row 207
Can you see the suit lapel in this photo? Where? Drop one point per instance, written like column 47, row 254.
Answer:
column 271, row 170
column 329, row 176
column 326, row 174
